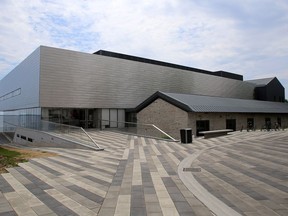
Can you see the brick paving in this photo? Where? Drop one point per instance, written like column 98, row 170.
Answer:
column 246, row 172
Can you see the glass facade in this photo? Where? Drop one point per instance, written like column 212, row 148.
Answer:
column 85, row 118
column 29, row 118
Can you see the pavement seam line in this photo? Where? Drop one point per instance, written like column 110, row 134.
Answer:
column 216, row 206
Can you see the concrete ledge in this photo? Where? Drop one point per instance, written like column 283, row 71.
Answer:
column 215, row 133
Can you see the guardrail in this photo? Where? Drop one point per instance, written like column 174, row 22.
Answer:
column 149, row 130
column 140, row 129
column 65, row 131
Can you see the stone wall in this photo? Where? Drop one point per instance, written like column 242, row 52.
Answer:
column 171, row 118
column 164, row 115
column 217, row 121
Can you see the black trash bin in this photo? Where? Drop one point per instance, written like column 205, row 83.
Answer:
column 186, row 135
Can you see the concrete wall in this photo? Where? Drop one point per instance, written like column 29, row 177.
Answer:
column 32, row 138
column 81, row 80
column 26, row 78
column 165, row 116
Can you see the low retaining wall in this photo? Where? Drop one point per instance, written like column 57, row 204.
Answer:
column 33, row 138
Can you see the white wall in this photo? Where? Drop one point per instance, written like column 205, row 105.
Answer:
column 26, row 78
column 1, row 121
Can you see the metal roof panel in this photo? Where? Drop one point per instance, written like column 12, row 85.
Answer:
column 200, row 103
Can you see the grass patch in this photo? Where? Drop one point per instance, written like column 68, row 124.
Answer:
column 10, row 157
column 7, row 153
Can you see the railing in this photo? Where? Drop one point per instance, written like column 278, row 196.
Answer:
column 90, row 137
column 35, row 123
column 149, row 130
column 69, row 132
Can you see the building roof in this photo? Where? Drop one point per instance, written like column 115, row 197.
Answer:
column 200, row 103
column 261, row 82
column 166, row 64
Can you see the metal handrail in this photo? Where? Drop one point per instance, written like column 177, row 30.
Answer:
column 164, row 133
column 65, row 125
column 90, row 138
column 141, row 124
column 120, row 122
column 62, row 125
column 75, row 127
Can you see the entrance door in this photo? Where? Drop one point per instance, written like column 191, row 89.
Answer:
column 92, row 118
column 279, row 121
column 250, row 123
column 202, row 125
column 268, row 123
column 231, row 124
column 113, row 118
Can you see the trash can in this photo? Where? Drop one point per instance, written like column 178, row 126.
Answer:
column 186, row 135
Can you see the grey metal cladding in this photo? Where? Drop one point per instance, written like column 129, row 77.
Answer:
column 26, row 77
column 198, row 103
column 261, row 82
column 75, row 79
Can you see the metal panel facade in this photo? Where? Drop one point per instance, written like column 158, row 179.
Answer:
column 21, row 85
column 81, row 80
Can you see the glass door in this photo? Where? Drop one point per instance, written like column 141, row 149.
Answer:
column 202, row 125
column 231, row 124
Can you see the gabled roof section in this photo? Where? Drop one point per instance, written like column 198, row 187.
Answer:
column 165, row 97
column 261, row 82
column 200, row 103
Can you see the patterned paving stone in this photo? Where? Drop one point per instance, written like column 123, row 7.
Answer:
column 5, row 187
column 254, row 169
column 139, row 176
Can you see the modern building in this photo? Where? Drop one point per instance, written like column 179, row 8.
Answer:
column 83, row 89
column 268, row 89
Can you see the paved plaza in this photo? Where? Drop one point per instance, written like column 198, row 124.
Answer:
column 244, row 173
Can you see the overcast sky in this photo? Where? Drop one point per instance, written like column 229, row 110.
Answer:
column 249, row 37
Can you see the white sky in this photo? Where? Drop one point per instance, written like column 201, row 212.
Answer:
column 248, row 37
